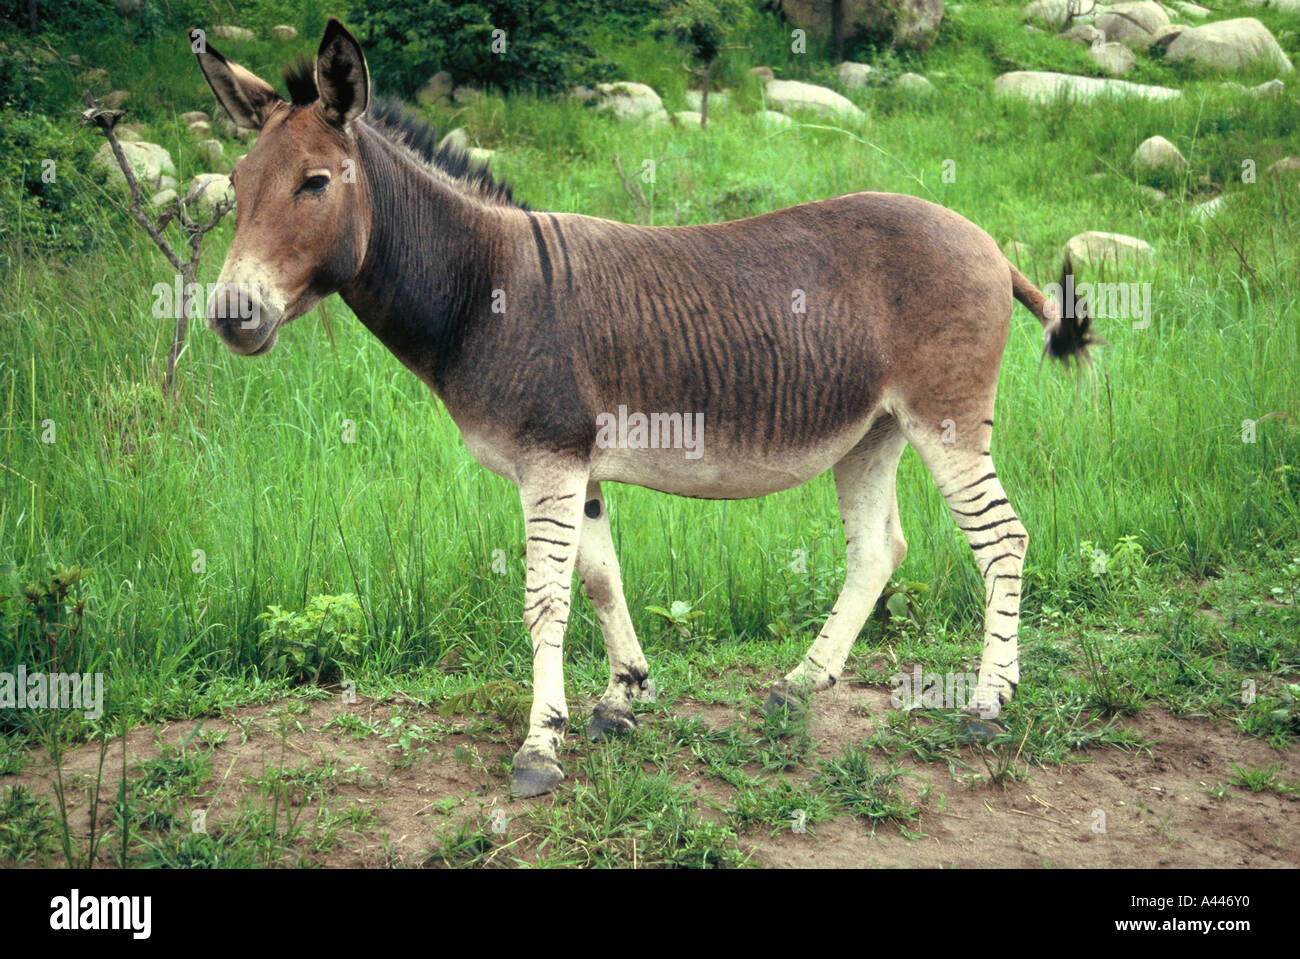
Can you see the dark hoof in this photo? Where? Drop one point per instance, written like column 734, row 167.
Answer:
column 610, row 725
column 981, row 730
column 782, row 699
column 528, row 781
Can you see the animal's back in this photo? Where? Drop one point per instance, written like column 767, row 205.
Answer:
column 820, row 299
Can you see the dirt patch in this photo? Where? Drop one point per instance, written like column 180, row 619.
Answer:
column 1154, row 808
column 411, row 775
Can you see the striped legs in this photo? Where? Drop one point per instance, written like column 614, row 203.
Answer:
column 598, row 570
column 980, row 507
column 568, row 525
column 553, row 501
column 864, row 484
column 999, row 541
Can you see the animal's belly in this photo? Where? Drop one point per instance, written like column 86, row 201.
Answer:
column 686, row 461
column 718, row 469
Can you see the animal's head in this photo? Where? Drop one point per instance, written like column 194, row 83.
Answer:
column 302, row 207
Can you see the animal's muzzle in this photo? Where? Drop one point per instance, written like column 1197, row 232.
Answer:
column 240, row 314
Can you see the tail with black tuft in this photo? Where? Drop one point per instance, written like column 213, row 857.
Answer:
column 1066, row 325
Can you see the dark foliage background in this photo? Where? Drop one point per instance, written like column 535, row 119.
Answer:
column 547, row 42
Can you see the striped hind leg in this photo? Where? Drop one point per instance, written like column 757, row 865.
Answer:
column 874, row 548
column 598, row 570
column 963, row 470
column 552, row 496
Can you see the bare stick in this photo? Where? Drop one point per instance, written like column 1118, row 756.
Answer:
column 643, row 208
column 193, row 230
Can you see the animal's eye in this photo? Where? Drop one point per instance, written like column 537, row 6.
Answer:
column 314, row 184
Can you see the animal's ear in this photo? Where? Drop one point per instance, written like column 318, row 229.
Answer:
column 247, row 98
column 342, row 78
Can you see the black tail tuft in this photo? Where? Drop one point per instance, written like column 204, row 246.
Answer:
column 1070, row 336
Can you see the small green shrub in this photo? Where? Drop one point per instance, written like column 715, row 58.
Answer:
column 1098, row 576
column 40, row 626
column 680, row 616
column 503, row 698
column 315, row 644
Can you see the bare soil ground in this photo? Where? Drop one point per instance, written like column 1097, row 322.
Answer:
column 1156, row 809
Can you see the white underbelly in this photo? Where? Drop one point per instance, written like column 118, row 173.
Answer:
column 710, row 470
column 720, row 472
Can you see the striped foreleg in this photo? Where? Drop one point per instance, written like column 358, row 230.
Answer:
column 553, row 501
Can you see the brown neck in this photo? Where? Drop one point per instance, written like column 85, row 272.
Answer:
column 429, row 262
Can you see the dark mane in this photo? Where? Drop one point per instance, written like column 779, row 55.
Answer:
column 300, row 78
column 390, row 118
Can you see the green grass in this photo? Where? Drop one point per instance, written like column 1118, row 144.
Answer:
column 867, row 791
column 596, row 823
column 28, row 827
column 780, row 805
column 1264, row 780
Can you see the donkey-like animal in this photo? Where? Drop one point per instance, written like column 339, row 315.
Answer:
column 824, row 336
